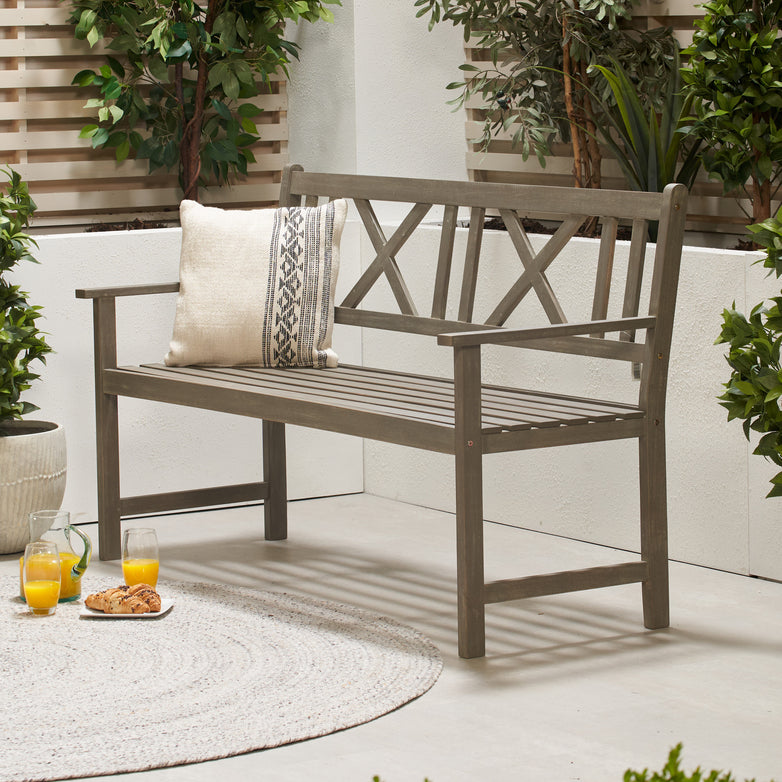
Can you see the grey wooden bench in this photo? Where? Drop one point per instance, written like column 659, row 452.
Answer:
column 455, row 415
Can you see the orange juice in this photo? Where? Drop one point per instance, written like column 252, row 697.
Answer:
column 140, row 571
column 42, row 595
column 70, row 588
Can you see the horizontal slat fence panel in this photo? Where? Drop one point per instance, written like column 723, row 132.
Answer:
column 41, row 115
column 708, row 210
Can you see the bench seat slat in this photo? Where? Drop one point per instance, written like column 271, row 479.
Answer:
column 284, row 384
column 420, row 407
column 439, row 396
column 493, row 401
column 494, row 397
column 395, row 377
column 231, row 397
column 423, row 399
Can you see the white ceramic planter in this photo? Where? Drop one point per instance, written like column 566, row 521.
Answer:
column 32, row 476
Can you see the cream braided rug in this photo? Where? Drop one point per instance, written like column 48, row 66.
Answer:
column 227, row 671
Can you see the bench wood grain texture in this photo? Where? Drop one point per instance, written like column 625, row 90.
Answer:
column 458, row 415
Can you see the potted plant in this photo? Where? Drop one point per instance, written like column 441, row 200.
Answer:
column 733, row 77
column 32, row 453
column 754, row 389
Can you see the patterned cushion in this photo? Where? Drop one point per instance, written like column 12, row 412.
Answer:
column 257, row 286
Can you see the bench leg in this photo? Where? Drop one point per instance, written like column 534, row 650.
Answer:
column 275, row 506
column 654, row 526
column 107, row 436
column 106, row 430
column 469, row 553
column 469, row 504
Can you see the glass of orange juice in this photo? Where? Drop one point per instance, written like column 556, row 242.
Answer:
column 41, row 577
column 140, row 558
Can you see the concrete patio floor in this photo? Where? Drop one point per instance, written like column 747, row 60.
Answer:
column 572, row 687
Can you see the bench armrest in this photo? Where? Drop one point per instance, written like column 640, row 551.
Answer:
column 501, row 336
column 126, row 290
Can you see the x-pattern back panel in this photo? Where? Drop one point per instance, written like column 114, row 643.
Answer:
column 512, row 203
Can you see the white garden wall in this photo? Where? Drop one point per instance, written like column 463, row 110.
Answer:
column 401, row 125
column 369, row 95
column 718, row 516
column 163, row 447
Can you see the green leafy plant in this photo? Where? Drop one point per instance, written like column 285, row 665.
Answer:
column 21, row 343
column 754, row 389
column 378, row 779
column 672, row 772
column 734, row 75
column 179, row 92
column 646, row 140
column 535, row 82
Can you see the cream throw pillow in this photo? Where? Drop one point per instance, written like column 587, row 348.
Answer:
column 257, row 286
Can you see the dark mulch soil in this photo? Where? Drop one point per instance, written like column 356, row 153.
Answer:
column 131, row 225
column 536, row 227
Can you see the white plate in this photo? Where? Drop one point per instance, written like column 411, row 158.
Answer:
column 165, row 607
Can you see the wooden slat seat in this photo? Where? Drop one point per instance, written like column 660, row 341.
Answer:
column 383, row 395
column 461, row 414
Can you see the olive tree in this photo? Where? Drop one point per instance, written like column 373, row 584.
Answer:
column 536, row 81
column 180, row 91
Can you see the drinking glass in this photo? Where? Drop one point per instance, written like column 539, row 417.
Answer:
column 140, row 558
column 41, row 577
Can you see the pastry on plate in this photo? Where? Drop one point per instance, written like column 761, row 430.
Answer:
column 136, row 599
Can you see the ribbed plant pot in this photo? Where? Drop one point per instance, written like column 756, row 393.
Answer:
column 32, row 477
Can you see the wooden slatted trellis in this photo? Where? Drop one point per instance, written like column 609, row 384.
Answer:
column 709, row 210
column 41, row 115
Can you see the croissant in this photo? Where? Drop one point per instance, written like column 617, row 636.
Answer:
column 136, row 599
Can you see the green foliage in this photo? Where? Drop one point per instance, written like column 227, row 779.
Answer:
column 646, row 139
column 533, row 46
column 179, row 93
column 734, row 76
column 378, row 779
column 754, row 389
column 768, row 234
column 672, row 772
column 20, row 341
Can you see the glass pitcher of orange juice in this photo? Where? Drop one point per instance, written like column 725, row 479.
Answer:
column 55, row 527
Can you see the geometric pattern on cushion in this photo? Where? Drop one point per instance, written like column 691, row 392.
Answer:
column 256, row 287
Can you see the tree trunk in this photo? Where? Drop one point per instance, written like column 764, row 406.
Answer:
column 593, row 148
column 570, row 108
column 586, row 152
column 761, row 200
column 190, row 145
column 188, row 179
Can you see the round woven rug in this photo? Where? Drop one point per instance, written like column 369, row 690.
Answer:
column 227, row 671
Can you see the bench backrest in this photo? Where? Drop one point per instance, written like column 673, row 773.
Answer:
column 571, row 208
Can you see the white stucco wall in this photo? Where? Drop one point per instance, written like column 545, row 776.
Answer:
column 717, row 516
column 163, row 447
column 402, row 126
column 369, row 96
column 322, row 94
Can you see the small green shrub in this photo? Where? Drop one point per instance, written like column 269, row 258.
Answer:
column 378, row 779
column 21, row 342
column 671, row 772
column 754, row 389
